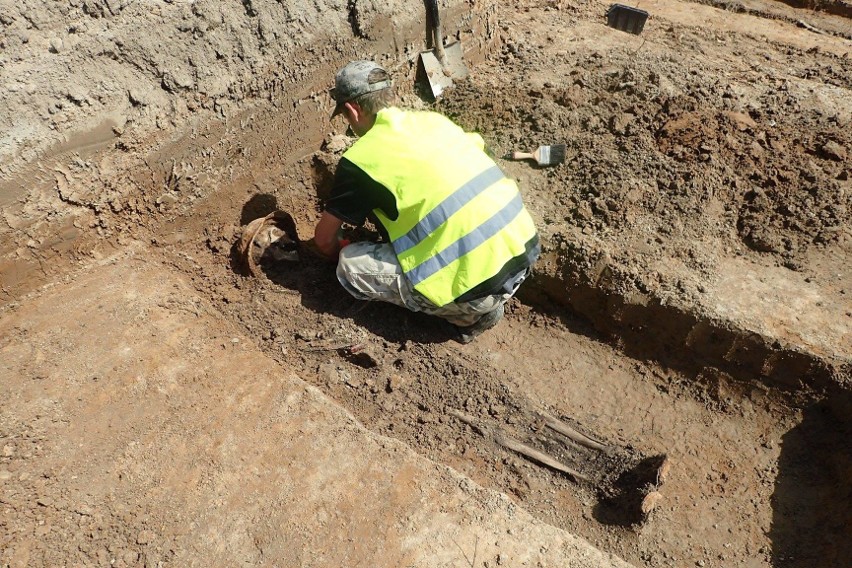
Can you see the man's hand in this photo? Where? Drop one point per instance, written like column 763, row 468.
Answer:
column 325, row 240
column 311, row 247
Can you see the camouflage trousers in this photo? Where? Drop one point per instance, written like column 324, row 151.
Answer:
column 371, row 271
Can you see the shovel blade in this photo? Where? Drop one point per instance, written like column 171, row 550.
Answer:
column 440, row 76
column 431, row 73
column 454, row 65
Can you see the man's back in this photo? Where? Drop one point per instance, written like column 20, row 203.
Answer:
column 460, row 219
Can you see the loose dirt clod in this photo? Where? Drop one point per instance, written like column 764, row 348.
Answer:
column 651, row 502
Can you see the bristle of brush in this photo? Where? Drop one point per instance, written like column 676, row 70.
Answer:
column 556, row 154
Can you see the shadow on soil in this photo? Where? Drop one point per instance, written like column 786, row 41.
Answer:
column 620, row 503
column 677, row 338
column 812, row 503
column 317, row 284
column 258, row 206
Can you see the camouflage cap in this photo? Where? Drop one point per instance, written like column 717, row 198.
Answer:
column 353, row 81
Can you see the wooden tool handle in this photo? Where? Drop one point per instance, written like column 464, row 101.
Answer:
column 433, row 17
column 522, row 156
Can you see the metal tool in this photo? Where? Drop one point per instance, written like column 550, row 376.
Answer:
column 440, row 65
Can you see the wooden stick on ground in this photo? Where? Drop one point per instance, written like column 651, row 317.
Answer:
column 469, row 420
column 810, row 28
column 516, row 446
column 567, row 431
column 537, row 456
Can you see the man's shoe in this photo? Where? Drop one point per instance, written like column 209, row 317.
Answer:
column 486, row 322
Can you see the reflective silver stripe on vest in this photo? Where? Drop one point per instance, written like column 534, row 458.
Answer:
column 447, row 208
column 467, row 243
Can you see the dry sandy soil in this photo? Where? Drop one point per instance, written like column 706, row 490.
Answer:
column 160, row 408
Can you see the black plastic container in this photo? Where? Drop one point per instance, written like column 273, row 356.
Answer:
column 626, row 19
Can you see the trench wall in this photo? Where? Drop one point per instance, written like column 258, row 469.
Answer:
column 585, row 280
column 69, row 67
column 115, row 112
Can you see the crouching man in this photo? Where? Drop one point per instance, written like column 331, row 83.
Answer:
column 459, row 240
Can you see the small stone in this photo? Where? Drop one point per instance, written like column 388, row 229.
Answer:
column 77, row 95
column 144, row 537
column 138, row 97
column 337, row 143
column 8, row 450
column 44, row 501
column 834, row 151
column 5, row 474
column 56, row 45
column 395, row 382
column 651, row 502
column 176, row 80
column 350, row 380
column 83, row 510
column 167, row 199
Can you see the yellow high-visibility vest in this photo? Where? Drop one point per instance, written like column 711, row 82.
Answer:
column 460, row 218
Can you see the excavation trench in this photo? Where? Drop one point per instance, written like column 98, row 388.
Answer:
column 740, row 451
column 758, row 462
column 741, row 416
column 740, row 443
column 759, row 454
column 757, row 431
column 684, row 338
